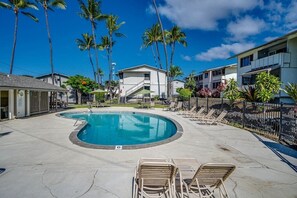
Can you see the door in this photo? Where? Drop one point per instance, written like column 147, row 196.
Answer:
column 3, row 104
column 21, row 103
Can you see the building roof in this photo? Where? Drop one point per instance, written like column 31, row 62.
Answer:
column 178, row 80
column 23, row 82
column 280, row 39
column 221, row 67
column 50, row 75
column 140, row 66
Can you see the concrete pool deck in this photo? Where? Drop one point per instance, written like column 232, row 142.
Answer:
column 40, row 160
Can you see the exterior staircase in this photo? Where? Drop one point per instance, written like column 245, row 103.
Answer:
column 134, row 88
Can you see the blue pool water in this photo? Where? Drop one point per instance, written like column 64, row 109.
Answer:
column 123, row 128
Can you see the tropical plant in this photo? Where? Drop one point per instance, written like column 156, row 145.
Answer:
column 291, row 90
column 113, row 27
column 174, row 72
column 190, row 81
column 173, row 36
column 151, row 37
column 267, row 86
column 92, row 12
column 184, row 93
column 249, row 94
column 82, row 85
column 17, row 6
column 86, row 43
column 101, row 74
column 232, row 92
column 50, row 5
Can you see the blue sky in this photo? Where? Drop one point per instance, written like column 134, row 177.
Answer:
column 215, row 29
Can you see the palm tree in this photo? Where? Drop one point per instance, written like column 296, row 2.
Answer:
column 101, row 74
column 175, row 35
column 112, row 28
column 92, row 12
column 16, row 6
column 153, row 36
column 174, row 72
column 164, row 45
column 50, row 5
column 86, row 43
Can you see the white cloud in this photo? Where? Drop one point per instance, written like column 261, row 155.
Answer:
column 186, row 58
column 291, row 16
column 224, row 51
column 199, row 14
column 245, row 27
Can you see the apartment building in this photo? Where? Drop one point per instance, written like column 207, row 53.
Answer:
column 279, row 57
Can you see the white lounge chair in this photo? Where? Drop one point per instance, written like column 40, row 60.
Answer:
column 172, row 104
column 178, row 107
column 207, row 116
column 214, row 120
column 154, row 178
column 187, row 112
column 195, row 114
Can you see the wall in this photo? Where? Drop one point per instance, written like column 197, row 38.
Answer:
column 292, row 49
column 175, row 85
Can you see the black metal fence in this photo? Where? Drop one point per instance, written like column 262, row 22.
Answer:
column 277, row 121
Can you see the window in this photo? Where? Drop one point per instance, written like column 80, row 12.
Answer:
column 147, row 76
column 249, row 80
column 246, row 61
column 215, row 85
column 121, row 75
column 205, row 75
column 218, row 72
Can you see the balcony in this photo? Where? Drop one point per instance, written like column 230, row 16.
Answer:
column 282, row 59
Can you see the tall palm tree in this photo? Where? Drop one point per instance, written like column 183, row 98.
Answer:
column 50, row 5
column 16, row 6
column 92, row 12
column 152, row 37
column 174, row 72
column 113, row 29
column 164, row 45
column 173, row 36
column 86, row 44
column 105, row 45
column 101, row 74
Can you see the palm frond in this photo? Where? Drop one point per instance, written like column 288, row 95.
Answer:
column 5, row 5
column 30, row 16
column 58, row 4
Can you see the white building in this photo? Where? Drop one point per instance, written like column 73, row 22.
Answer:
column 59, row 80
column 212, row 78
column 22, row 96
column 175, row 84
column 279, row 57
column 133, row 79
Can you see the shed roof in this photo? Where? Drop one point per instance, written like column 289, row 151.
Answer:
column 23, row 82
column 140, row 66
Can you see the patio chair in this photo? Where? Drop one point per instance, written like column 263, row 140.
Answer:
column 215, row 120
column 186, row 112
column 207, row 180
column 154, row 178
column 195, row 114
column 172, row 104
column 178, row 107
column 207, row 116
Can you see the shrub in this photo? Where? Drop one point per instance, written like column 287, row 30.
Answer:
column 184, row 94
column 231, row 92
column 267, row 86
column 291, row 90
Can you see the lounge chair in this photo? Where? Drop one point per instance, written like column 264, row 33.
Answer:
column 186, row 112
column 178, row 107
column 207, row 116
column 215, row 120
column 172, row 104
column 195, row 114
column 154, row 178
column 206, row 180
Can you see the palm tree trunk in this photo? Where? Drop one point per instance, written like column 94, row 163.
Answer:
column 110, row 65
column 159, row 93
column 91, row 61
column 172, row 53
column 96, row 51
column 50, row 44
column 158, row 53
column 164, row 45
column 14, row 41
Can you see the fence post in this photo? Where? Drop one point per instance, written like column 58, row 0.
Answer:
column 207, row 104
column 222, row 102
column 243, row 113
column 280, row 122
column 189, row 105
column 196, row 103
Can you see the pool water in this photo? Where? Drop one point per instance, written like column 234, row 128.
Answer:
column 123, row 128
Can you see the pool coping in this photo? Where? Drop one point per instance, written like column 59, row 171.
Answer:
column 74, row 139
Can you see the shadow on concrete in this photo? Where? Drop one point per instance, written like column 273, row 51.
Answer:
column 279, row 149
column 5, row 133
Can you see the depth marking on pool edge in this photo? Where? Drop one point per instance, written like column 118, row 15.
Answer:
column 118, row 147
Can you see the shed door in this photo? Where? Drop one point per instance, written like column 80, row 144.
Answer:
column 21, row 103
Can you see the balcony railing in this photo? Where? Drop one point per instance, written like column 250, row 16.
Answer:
column 281, row 59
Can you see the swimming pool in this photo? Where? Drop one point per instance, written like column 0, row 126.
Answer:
column 120, row 130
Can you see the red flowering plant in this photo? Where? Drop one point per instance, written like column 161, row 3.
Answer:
column 204, row 92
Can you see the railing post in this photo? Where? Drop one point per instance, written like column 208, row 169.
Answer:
column 243, row 113
column 196, row 103
column 207, row 104
column 280, row 122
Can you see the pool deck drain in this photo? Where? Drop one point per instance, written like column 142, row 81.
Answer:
column 40, row 160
